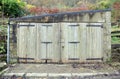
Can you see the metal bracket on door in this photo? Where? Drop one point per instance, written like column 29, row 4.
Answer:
column 73, row 58
column 74, row 25
column 92, row 25
column 94, row 58
column 46, row 42
column 27, row 25
column 74, row 42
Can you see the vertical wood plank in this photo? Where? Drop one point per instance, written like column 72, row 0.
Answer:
column 94, row 40
column 31, row 41
column 22, row 40
column 83, row 40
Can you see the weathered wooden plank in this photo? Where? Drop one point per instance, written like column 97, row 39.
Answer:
column 22, row 41
column 94, row 43
column 56, row 42
column 64, row 40
column 38, row 55
column 31, row 41
column 83, row 40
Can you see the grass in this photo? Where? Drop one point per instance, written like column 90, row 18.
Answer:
column 115, row 34
column 115, row 28
column 114, row 38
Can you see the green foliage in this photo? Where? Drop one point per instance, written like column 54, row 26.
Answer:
column 3, row 30
column 115, row 40
column 104, row 4
column 113, row 1
column 2, row 48
column 12, row 8
column 3, row 33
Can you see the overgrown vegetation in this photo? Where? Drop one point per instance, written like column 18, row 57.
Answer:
column 115, row 34
column 115, row 40
column 12, row 8
column 3, row 47
column 8, row 9
column 115, row 57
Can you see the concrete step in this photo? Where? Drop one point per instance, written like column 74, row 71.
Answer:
column 103, row 76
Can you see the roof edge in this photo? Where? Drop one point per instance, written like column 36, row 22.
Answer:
column 57, row 14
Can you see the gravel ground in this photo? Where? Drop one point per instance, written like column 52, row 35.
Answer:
column 61, row 69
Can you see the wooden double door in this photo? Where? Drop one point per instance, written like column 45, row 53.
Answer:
column 59, row 42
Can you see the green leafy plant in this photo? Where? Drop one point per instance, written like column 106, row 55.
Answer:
column 3, row 30
column 2, row 48
column 12, row 8
column 115, row 40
